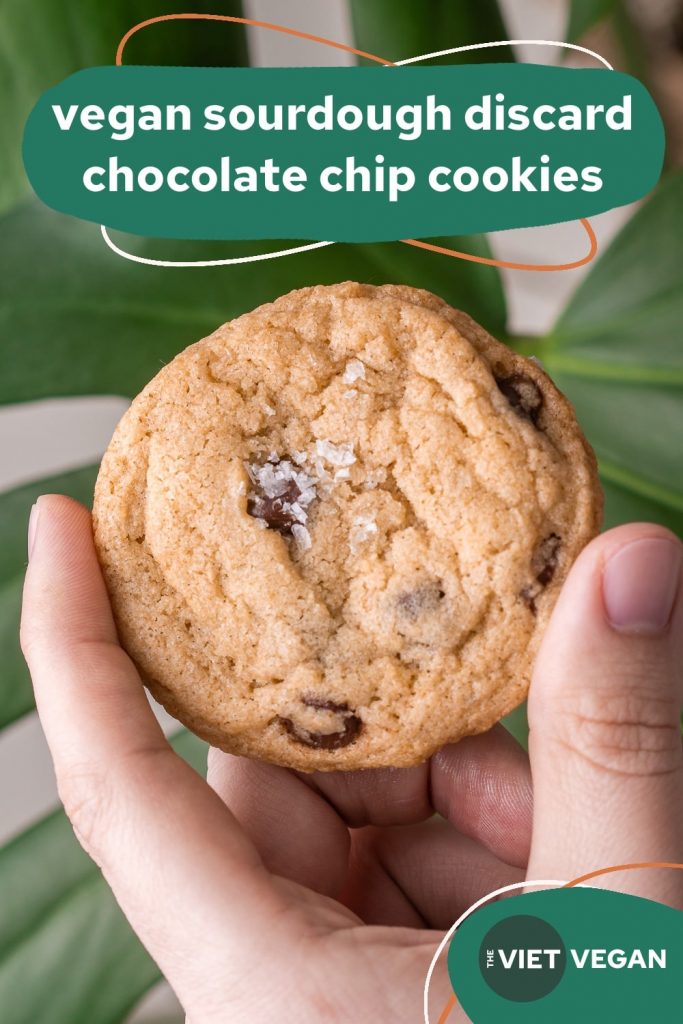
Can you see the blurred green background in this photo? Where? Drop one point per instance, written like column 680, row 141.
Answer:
column 77, row 320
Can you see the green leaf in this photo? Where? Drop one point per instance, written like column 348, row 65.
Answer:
column 77, row 319
column 517, row 724
column 67, row 953
column 616, row 352
column 397, row 29
column 585, row 14
column 624, row 506
column 625, row 318
column 16, row 692
column 44, row 41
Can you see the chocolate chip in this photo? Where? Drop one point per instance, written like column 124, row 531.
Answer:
column 523, row 394
column 414, row 603
column 352, row 726
column 313, row 701
column 544, row 566
column 276, row 512
column 281, row 493
column 545, row 559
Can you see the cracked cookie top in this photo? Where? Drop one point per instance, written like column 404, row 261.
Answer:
column 334, row 530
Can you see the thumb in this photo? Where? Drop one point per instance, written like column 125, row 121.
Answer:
column 604, row 713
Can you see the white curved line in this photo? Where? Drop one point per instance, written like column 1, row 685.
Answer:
column 319, row 245
column 463, row 917
column 209, row 263
column 503, row 42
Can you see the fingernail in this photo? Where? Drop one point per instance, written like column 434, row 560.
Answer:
column 32, row 528
column 640, row 583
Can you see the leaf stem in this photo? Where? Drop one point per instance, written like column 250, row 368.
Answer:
column 631, row 481
column 620, row 372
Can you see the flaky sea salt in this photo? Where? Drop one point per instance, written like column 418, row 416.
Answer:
column 307, row 496
column 351, row 393
column 283, row 489
column 268, row 410
column 362, row 529
column 335, row 454
column 354, row 371
column 275, row 479
column 301, row 536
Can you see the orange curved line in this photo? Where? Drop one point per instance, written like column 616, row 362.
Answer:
column 625, row 867
column 442, row 250
column 445, row 1013
column 509, row 264
column 245, row 21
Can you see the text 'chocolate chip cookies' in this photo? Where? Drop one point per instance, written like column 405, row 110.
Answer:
column 334, row 530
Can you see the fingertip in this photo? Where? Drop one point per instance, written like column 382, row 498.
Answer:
column 56, row 511
column 598, row 552
column 626, row 581
column 297, row 832
column 375, row 796
column 65, row 598
column 640, row 584
column 59, row 534
column 482, row 785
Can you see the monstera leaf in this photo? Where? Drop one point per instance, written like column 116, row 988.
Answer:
column 585, row 14
column 43, row 42
column 616, row 352
column 79, row 319
column 67, row 953
column 397, row 29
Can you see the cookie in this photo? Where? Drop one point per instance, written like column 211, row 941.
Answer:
column 334, row 530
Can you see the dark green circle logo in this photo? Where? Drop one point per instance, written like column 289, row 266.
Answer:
column 522, row 958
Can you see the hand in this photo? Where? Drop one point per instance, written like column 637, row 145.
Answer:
column 270, row 895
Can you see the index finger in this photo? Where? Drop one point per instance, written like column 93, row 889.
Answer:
column 178, row 862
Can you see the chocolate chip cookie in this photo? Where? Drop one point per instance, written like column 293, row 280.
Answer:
column 334, row 530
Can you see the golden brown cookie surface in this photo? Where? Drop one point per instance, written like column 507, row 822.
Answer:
column 334, row 530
